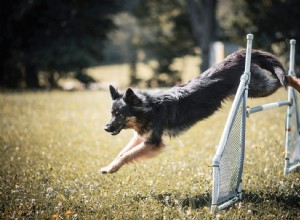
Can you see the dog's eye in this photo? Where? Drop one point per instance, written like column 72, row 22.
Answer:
column 115, row 113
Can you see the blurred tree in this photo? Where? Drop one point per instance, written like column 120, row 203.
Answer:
column 177, row 26
column 52, row 35
column 273, row 23
column 122, row 45
column 169, row 33
column 202, row 15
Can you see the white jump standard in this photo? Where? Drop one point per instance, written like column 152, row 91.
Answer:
column 229, row 158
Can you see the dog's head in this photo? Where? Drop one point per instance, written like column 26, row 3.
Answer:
column 122, row 110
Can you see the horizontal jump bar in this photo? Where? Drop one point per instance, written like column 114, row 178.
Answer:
column 292, row 168
column 229, row 203
column 266, row 107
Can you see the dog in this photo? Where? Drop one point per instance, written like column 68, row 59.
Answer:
column 171, row 112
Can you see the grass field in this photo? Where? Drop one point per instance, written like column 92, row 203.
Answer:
column 53, row 144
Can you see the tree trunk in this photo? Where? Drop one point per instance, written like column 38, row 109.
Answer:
column 133, row 73
column 53, row 80
column 195, row 20
column 208, row 36
column 31, row 77
column 202, row 17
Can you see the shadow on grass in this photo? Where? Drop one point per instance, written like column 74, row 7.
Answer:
column 276, row 199
column 284, row 201
column 169, row 199
column 193, row 202
column 197, row 201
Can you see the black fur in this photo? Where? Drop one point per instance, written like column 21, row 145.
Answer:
column 173, row 111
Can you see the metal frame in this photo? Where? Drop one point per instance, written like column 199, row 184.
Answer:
column 241, row 96
column 292, row 97
column 289, row 165
column 242, row 93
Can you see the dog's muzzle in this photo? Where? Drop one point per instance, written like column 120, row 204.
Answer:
column 112, row 129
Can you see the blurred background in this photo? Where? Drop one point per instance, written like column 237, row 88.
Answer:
column 88, row 44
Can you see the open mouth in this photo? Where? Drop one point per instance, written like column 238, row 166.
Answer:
column 117, row 131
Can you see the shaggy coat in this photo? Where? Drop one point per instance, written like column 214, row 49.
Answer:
column 170, row 112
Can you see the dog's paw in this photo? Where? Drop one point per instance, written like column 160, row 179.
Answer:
column 108, row 169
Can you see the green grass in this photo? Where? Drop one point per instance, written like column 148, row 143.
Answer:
column 53, row 144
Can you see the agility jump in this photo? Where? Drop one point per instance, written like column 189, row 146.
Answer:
column 229, row 158
column 155, row 114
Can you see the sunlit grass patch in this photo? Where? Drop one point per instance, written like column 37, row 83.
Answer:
column 53, row 144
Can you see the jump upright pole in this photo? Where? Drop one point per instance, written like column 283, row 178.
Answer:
column 219, row 201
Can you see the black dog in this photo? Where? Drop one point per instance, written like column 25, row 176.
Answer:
column 170, row 112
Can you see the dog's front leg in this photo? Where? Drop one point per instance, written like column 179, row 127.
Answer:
column 135, row 140
column 141, row 151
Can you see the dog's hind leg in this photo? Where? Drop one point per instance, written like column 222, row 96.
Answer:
column 293, row 82
column 141, row 151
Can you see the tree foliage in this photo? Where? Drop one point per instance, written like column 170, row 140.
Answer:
column 170, row 33
column 52, row 35
column 67, row 36
column 273, row 23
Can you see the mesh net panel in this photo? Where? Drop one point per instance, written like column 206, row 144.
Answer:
column 231, row 163
column 294, row 144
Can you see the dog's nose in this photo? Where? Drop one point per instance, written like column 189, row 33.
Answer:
column 107, row 128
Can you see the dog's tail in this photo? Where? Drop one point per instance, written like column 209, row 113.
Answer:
column 262, row 82
column 270, row 63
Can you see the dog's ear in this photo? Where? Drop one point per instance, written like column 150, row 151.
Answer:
column 131, row 98
column 114, row 92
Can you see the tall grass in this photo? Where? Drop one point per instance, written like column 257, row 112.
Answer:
column 53, row 144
